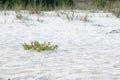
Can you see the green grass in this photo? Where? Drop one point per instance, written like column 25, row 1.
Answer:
column 116, row 12
column 35, row 5
column 35, row 45
column 46, row 5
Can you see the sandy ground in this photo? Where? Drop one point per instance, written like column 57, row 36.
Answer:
column 89, row 49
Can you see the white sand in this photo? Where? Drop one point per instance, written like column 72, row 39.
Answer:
column 87, row 50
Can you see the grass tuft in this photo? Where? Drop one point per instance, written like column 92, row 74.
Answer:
column 35, row 45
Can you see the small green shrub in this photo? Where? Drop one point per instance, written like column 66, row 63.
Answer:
column 19, row 16
column 85, row 18
column 35, row 45
column 116, row 13
column 101, row 3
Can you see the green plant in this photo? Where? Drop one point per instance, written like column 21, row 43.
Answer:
column 68, row 17
column 85, row 18
column 27, row 46
column 35, row 5
column 116, row 13
column 40, row 20
column 115, row 8
column 35, row 45
column 19, row 16
column 101, row 3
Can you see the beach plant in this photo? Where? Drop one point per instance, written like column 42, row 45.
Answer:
column 115, row 8
column 101, row 3
column 116, row 12
column 35, row 5
column 35, row 45
column 40, row 20
column 69, row 16
column 85, row 18
column 19, row 16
